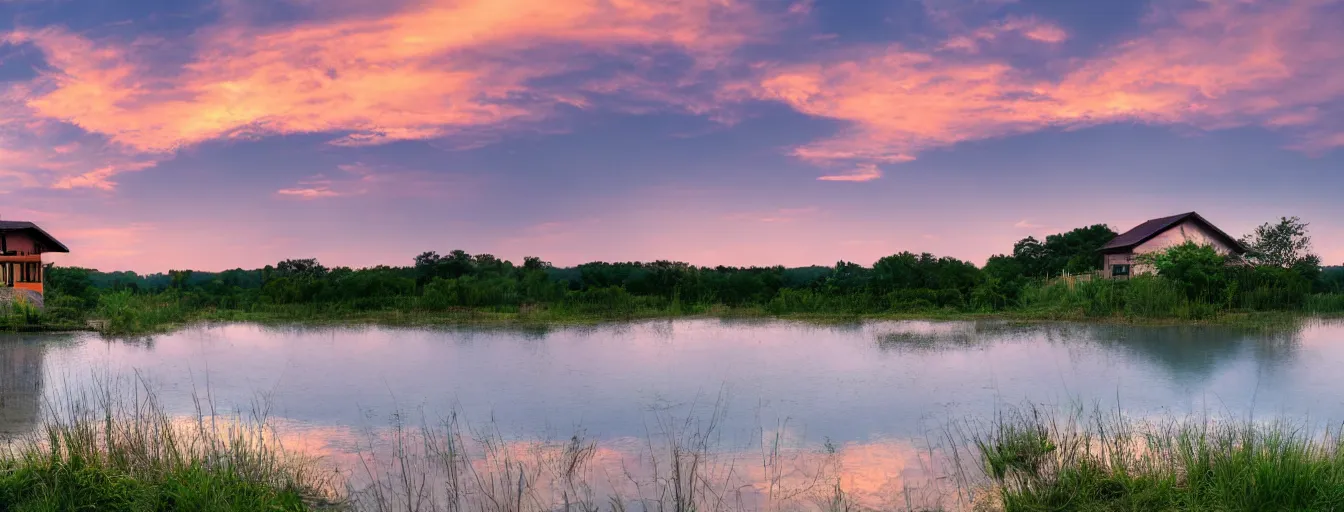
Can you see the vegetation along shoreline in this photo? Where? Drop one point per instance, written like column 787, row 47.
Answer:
column 1058, row 278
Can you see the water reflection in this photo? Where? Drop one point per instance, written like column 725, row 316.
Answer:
column 472, row 465
column 876, row 391
column 1189, row 354
column 21, row 380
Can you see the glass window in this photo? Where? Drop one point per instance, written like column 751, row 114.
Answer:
column 1119, row 270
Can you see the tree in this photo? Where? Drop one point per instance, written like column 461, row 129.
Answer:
column 531, row 263
column 1284, row 244
column 1198, row 269
column 300, row 268
column 1075, row 251
column 1031, row 256
column 1331, row 280
column 179, row 278
column 1078, row 250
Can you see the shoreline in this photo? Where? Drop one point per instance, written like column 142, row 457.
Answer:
column 543, row 319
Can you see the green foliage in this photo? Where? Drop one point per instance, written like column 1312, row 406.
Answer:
column 1043, row 463
column 1198, row 269
column 118, row 456
column 1330, row 280
column 1077, row 251
column 1094, row 298
column 1153, row 297
column 1192, row 282
column 1325, row 304
column 1284, row 244
column 124, row 312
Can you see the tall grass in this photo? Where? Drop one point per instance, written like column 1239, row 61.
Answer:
column 122, row 452
column 1145, row 297
column 1039, row 462
column 1325, row 304
column 124, row 312
column 449, row 466
column 20, row 315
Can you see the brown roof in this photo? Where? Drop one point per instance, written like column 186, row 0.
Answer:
column 50, row 242
column 1146, row 231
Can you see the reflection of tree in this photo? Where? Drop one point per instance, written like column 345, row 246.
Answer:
column 1195, row 353
column 20, row 383
column 1190, row 353
column 926, row 336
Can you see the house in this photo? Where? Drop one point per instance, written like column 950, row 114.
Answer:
column 21, row 247
column 1119, row 255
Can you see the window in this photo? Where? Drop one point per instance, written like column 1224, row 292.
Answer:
column 29, row 272
column 1119, row 270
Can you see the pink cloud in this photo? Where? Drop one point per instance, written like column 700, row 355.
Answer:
column 1218, row 65
column 402, row 76
column 31, row 158
column 399, row 75
column 864, row 172
column 313, row 191
column 1035, row 30
column 100, row 178
column 1030, row 28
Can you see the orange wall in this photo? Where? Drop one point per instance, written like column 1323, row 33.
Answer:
column 20, row 260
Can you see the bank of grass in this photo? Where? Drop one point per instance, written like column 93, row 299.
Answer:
column 109, row 452
column 1148, row 301
column 1109, row 464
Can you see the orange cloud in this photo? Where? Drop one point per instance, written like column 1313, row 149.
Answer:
column 418, row 74
column 1223, row 64
column 313, row 190
column 100, row 178
column 864, row 172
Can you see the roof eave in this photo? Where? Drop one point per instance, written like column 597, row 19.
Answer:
column 51, row 240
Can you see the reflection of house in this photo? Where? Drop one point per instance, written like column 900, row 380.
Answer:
column 20, row 384
column 21, row 248
column 1158, row 234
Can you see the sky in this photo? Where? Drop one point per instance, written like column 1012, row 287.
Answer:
column 150, row 135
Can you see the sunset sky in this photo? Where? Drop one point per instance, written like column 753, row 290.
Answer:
column 158, row 134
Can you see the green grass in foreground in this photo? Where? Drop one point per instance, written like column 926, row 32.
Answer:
column 1112, row 464
column 131, row 456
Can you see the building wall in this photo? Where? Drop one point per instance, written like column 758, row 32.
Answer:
column 1188, row 231
column 13, row 265
column 20, row 243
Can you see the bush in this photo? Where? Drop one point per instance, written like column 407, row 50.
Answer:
column 1198, row 270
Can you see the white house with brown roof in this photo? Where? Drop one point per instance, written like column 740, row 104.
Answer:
column 1119, row 255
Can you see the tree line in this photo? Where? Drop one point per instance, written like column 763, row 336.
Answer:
column 1278, row 272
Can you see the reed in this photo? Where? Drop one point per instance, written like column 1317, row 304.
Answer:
column 1039, row 461
column 120, row 451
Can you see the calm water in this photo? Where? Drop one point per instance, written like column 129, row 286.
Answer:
column 878, row 391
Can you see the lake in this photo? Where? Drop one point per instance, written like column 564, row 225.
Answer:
column 781, row 410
